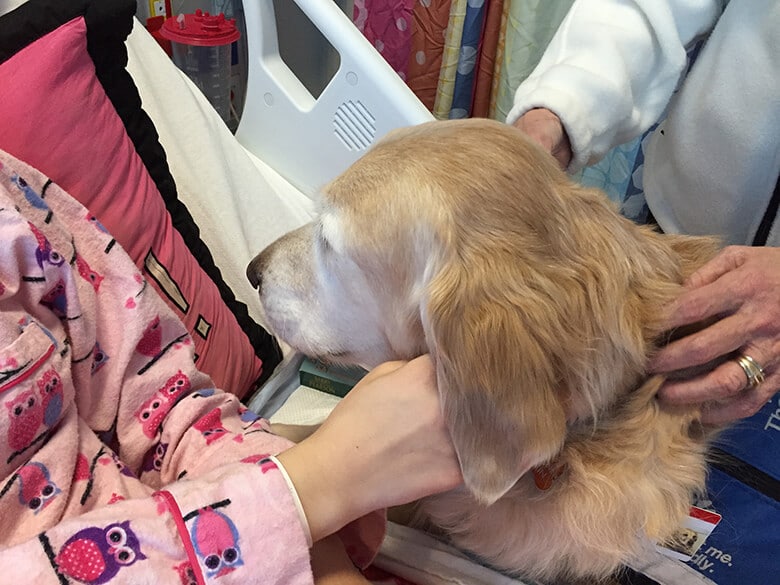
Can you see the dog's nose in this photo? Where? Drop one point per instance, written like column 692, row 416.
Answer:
column 254, row 272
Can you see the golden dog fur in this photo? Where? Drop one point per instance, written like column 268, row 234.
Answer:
column 540, row 305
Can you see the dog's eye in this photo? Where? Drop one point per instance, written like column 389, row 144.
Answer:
column 324, row 244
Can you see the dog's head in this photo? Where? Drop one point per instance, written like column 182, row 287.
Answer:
column 538, row 302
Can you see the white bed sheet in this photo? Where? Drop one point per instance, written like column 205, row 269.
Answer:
column 240, row 204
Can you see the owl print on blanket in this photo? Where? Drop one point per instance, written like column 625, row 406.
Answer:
column 25, row 412
column 52, row 393
column 33, row 198
column 56, row 299
column 215, row 538
column 211, row 427
column 95, row 555
column 45, row 254
column 153, row 411
column 36, row 488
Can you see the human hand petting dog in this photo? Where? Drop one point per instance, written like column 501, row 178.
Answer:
column 545, row 128
column 385, row 444
column 741, row 288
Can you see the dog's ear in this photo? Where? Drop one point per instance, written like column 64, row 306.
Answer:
column 694, row 251
column 495, row 377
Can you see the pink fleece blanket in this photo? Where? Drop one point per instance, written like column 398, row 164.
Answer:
column 120, row 462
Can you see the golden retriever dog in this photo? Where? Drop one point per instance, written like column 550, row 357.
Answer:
column 540, row 306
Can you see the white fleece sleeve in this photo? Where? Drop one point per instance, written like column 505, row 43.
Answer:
column 611, row 68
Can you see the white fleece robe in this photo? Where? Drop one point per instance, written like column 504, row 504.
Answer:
column 611, row 70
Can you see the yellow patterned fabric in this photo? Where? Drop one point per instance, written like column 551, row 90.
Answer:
column 500, row 49
column 530, row 25
column 449, row 63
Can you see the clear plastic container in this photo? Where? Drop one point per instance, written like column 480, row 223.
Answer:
column 201, row 46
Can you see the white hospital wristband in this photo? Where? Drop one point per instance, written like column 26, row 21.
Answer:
column 296, row 500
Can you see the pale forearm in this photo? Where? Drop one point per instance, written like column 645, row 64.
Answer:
column 322, row 488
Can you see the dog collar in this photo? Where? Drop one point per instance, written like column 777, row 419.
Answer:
column 545, row 475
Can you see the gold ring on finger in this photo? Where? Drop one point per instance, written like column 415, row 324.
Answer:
column 754, row 372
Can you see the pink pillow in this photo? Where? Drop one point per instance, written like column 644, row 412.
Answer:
column 56, row 116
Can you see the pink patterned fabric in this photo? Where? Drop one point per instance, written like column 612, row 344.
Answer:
column 120, row 460
column 57, row 117
column 388, row 25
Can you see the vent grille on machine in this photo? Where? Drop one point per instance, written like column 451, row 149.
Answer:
column 354, row 125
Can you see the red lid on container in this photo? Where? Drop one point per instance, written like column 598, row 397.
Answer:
column 200, row 29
